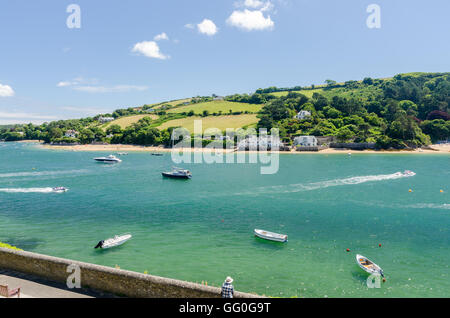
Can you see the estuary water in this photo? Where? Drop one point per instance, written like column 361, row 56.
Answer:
column 202, row 229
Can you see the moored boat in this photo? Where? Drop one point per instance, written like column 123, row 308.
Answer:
column 114, row 241
column 178, row 173
column 368, row 266
column 108, row 159
column 271, row 236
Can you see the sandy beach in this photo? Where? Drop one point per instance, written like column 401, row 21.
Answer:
column 442, row 148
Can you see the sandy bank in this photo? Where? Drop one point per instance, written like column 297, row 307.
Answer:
column 444, row 148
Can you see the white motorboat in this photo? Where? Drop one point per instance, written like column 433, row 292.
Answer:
column 408, row 173
column 60, row 189
column 368, row 266
column 108, row 159
column 178, row 173
column 271, row 236
column 114, row 241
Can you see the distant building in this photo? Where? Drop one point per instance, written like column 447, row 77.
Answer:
column 254, row 143
column 305, row 141
column 105, row 119
column 218, row 98
column 303, row 114
column 71, row 133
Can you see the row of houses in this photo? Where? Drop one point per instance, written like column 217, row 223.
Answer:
column 74, row 134
column 253, row 142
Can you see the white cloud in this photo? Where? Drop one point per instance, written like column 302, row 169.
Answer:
column 162, row 36
column 110, row 89
column 78, row 81
column 19, row 118
column 250, row 20
column 149, row 49
column 253, row 3
column 85, row 110
column 91, row 86
column 64, row 84
column 189, row 26
column 267, row 6
column 207, row 27
column 6, row 91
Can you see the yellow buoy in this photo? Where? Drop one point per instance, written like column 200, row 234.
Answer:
column 410, row 190
column 441, row 191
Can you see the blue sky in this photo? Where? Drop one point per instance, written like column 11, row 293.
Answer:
column 49, row 71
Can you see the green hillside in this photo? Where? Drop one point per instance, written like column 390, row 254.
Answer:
column 218, row 107
column 408, row 110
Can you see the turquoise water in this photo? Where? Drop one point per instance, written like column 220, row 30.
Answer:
column 202, row 229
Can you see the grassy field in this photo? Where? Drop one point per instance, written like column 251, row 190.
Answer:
column 359, row 93
column 220, row 122
column 216, row 106
column 124, row 122
column 172, row 103
column 307, row 93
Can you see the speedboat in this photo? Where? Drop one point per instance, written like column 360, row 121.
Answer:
column 178, row 173
column 368, row 266
column 59, row 189
column 122, row 153
column 271, row 236
column 156, row 154
column 114, row 241
column 408, row 173
column 108, row 159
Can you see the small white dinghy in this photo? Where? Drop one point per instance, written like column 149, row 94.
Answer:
column 114, row 241
column 271, row 236
column 368, row 266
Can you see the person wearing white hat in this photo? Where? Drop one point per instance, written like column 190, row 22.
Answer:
column 227, row 288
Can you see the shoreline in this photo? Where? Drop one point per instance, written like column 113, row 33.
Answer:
column 438, row 149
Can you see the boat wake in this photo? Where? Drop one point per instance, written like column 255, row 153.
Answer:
column 39, row 173
column 334, row 183
column 27, row 190
column 444, row 206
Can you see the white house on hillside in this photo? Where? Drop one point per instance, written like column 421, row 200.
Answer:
column 303, row 114
column 105, row 119
column 71, row 133
column 305, row 141
column 262, row 142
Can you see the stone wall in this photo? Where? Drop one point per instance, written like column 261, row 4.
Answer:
column 106, row 279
